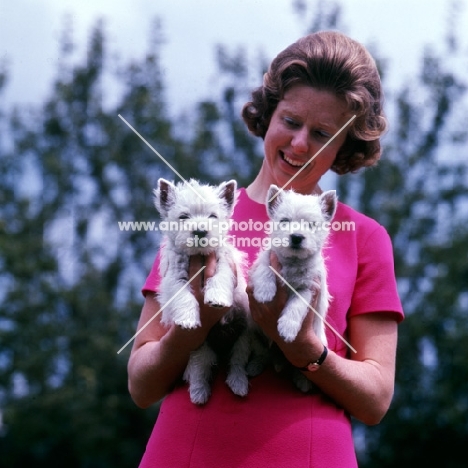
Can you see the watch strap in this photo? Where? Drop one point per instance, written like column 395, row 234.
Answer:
column 315, row 365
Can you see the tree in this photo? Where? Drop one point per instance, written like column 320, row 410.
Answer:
column 220, row 138
column 69, row 278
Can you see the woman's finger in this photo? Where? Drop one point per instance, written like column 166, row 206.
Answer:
column 210, row 265
column 196, row 262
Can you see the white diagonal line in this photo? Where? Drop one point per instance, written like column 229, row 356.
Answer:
column 313, row 310
column 162, row 158
column 313, row 157
column 160, row 310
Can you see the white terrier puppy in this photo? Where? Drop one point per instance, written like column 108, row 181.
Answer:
column 196, row 218
column 297, row 239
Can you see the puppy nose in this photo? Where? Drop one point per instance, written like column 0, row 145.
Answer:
column 199, row 233
column 296, row 240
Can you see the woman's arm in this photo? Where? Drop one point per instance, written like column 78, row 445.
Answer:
column 362, row 385
column 160, row 354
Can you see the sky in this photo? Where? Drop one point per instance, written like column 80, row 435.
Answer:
column 30, row 31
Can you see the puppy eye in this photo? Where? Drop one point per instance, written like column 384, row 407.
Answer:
column 284, row 223
column 212, row 215
column 184, row 216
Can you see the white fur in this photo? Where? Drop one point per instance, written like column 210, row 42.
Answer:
column 302, row 265
column 181, row 205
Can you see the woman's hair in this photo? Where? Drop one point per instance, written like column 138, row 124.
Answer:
column 328, row 61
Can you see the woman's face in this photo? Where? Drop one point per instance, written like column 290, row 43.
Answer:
column 304, row 120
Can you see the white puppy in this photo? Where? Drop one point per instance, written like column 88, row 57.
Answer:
column 298, row 235
column 195, row 217
column 297, row 238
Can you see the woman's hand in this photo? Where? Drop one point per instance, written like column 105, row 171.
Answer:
column 160, row 353
column 266, row 316
column 209, row 315
column 362, row 384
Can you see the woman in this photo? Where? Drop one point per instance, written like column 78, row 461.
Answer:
column 321, row 84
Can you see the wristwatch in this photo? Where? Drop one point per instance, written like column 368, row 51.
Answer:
column 315, row 365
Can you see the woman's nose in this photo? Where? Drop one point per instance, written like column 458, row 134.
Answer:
column 300, row 142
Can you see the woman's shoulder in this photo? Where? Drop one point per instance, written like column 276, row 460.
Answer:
column 359, row 225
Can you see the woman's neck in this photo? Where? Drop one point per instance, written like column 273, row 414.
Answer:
column 258, row 189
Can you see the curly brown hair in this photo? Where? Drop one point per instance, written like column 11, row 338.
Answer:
column 329, row 61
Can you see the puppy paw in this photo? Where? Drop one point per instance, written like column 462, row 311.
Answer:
column 199, row 394
column 238, row 383
column 218, row 293
column 188, row 322
column 288, row 329
column 264, row 293
column 218, row 298
column 255, row 367
column 186, row 311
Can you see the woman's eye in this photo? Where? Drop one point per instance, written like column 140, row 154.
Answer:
column 291, row 122
column 321, row 134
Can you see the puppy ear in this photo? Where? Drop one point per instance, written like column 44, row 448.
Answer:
column 164, row 196
column 274, row 196
column 227, row 191
column 328, row 204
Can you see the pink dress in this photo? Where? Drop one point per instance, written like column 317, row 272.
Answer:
column 275, row 425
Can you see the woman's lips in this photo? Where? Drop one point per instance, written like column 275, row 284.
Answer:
column 292, row 162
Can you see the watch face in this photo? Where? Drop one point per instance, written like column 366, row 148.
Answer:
column 313, row 366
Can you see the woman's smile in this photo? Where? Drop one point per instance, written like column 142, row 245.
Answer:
column 291, row 161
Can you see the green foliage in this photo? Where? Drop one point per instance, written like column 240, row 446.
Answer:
column 70, row 170
column 220, row 137
column 318, row 15
column 69, row 279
